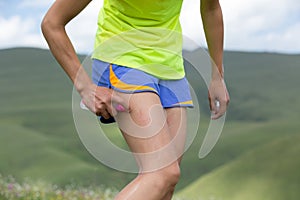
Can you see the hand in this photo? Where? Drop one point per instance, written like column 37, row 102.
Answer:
column 217, row 92
column 101, row 101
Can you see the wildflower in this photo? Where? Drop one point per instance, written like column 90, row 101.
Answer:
column 10, row 186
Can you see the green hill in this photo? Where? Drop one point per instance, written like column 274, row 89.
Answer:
column 37, row 133
column 263, row 86
column 38, row 138
column 264, row 107
column 269, row 172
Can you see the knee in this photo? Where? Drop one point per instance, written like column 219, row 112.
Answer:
column 167, row 178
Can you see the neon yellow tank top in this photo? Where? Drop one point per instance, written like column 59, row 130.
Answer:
column 141, row 34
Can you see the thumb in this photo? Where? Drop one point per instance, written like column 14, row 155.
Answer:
column 212, row 104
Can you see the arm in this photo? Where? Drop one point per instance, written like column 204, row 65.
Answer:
column 97, row 99
column 53, row 28
column 212, row 18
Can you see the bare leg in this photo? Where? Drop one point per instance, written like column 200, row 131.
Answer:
column 176, row 120
column 157, row 179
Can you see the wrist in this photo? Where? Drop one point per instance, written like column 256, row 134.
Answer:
column 83, row 85
column 217, row 73
column 82, row 81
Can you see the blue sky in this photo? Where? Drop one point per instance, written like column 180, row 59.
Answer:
column 251, row 25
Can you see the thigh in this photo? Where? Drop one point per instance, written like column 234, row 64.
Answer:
column 177, row 124
column 146, row 131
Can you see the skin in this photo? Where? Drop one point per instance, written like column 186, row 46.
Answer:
column 99, row 100
column 212, row 19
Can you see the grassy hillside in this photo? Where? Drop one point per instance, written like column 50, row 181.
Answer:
column 38, row 138
column 263, row 86
column 269, row 172
column 10, row 189
column 37, row 134
column 264, row 108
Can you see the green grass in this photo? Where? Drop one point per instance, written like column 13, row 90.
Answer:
column 10, row 189
column 38, row 138
column 268, row 172
column 237, row 138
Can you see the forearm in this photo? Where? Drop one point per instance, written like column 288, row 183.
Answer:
column 53, row 28
column 63, row 51
column 212, row 18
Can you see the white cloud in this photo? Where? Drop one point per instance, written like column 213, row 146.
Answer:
column 35, row 3
column 258, row 25
column 287, row 40
column 25, row 31
column 18, row 32
column 264, row 25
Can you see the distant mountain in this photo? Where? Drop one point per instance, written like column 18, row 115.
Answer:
column 262, row 86
column 38, row 138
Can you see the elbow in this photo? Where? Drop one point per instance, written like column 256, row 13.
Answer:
column 46, row 25
column 49, row 25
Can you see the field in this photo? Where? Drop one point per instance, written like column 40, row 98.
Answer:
column 255, row 158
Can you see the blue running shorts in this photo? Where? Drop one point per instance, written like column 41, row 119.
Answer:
column 172, row 93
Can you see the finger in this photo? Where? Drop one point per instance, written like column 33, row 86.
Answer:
column 212, row 105
column 111, row 110
column 105, row 114
column 228, row 99
column 209, row 102
column 101, row 110
column 114, row 105
column 221, row 110
column 83, row 105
